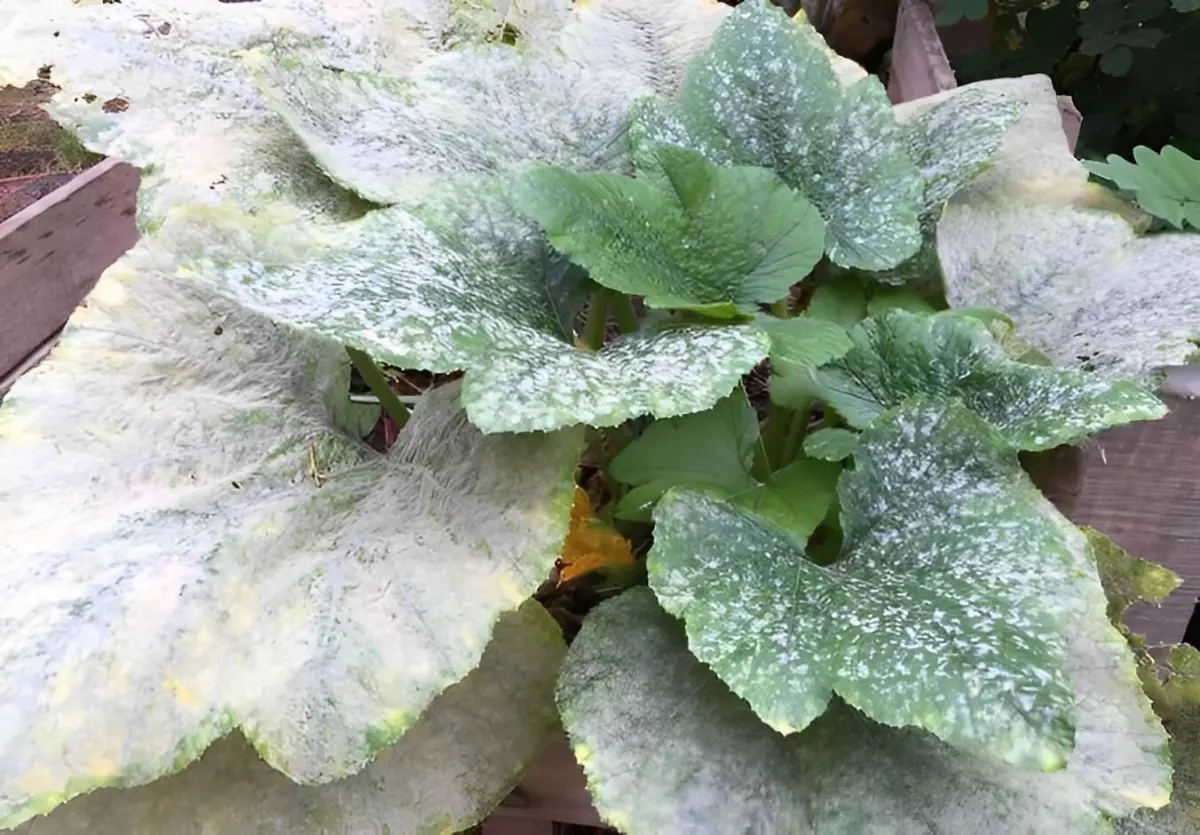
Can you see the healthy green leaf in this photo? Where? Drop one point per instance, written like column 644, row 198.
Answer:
column 768, row 93
column 803, row 341
column 831, row 444
column 711, row 239
column 1078, row 281
column 946, row 610
column 799, row 345
column 233, row 559
column 449, row 771
column 667, row 454
column 469, row 287
column 794, row 499
column 896, row 298
column 667, row 748
column 1166, row 185
column 900, row 355
column 842, row 301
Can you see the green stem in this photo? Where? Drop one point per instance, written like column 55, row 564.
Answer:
column 622, row 308
column 775, row 433
column 597, row 320
column 783, row 307
column 796, row 432
column 373, row 377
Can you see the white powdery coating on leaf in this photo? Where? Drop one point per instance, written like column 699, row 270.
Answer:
column 899, row 355
column 667, row 748
column 449, row 771
column 1077, row 281
column 676, row 372
column 395, row 139
column 207, row 580
column 945, row 611
column 473, row 295
column 766, row 94
column 192, row 110
column 418, row 30
column 652, row 42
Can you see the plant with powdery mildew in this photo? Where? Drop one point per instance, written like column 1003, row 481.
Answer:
column 611, row 218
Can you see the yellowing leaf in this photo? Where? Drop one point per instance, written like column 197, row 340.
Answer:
column 591, row 544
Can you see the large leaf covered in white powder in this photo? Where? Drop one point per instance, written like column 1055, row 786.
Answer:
column 1032, row 239
column 668, row 748
column 900, row 354
column 948, row 608
column 421, row 286
column 232, row 559
column 468, row 287
column 768, row 92
column 461, row 758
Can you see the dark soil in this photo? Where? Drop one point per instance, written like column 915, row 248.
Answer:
column 36, row 155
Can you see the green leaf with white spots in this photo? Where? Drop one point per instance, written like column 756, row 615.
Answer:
column 667, row 748
column 831, row 444
column 666, row 455
column 469, row 287
column 769, row 93
column 712, row 239
column 233, row 559
column 900, row 355
column 1031, row 238
column 449, row 771
column 946, row 610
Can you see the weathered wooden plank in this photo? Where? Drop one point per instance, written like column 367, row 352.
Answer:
column 919, row 64
column 52, row 253
column 555, row 789
column 1140, row 485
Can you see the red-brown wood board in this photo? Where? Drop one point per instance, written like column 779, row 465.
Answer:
column 51, row 254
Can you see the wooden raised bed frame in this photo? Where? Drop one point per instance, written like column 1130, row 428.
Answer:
column 1140, row 484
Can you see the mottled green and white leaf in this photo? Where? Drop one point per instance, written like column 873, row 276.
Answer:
column 899, row 355
column 668, row 748
column 449, row 771
column 469, row 288
column 1030, row 238
column 946, row 610
column 233, row 559
column 705, row 237
column 395, row 139
column 768, row 93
